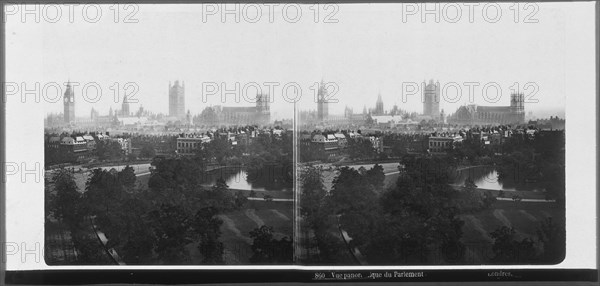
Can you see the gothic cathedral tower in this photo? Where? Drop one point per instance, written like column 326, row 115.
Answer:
column 263, row 109
column 431, row 99
column 177, row 100
column 517, row 107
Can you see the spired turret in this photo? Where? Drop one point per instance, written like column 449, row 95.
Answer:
column 517, row 107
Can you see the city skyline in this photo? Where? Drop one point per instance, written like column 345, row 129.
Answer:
column 392, row 53
column 430, row 101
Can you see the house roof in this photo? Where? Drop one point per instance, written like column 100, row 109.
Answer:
column 318, row 137
column 67, row 139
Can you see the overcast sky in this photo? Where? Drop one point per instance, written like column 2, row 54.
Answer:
column 370, row 50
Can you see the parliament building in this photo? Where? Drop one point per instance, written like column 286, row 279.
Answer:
column 488, row 115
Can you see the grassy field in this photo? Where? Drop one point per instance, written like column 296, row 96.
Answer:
column 235, row 231
column 525, row 218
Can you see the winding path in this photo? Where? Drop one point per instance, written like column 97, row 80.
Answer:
column 279, row 214
column 251, row 214
column 230, row 224
column 479, row 227
column 499, row 214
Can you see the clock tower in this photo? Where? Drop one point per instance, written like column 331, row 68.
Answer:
column 69, row 104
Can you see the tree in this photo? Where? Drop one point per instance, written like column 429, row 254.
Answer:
column 261, row 246
column 147, row 151
column 220, row 197
column 131, row 157
column 375, row 177
column 508, row 250
column 268, row 250
column 220, row 186
column 208, row 117
column 240, row 200
column 308, row 153
column 353, row 198
column 268, row 198
column 174, row 181
column 67, row 199
column 361, row 149
column 470, row 185
column 89, row 249
column 552, row 237
column 418, row 215
column 127, row 177
column 351, row 191
column 211, row 248
column 108, row 149
column 271, row 170
column 103, row 191
column 136, row 240
column 138, row 245
column 472, row 199
column 171, row 225
column 488, row 199
column 219, row 148
column 329, row 246
column 313, row 195
column 397, row 240
column 206, row 227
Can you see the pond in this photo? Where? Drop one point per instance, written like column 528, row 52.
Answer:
column 237, row 178
column 486, row 177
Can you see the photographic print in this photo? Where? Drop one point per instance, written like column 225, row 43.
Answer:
column 348, row 141
column 436, row 140
column 156, row 156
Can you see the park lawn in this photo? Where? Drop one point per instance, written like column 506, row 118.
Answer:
column 142, row 180
column 479, row 225
column 525, row 218
column 235, row 231
column 279, row 215
column 280, row 219
column 390, row 180
column 236, row 238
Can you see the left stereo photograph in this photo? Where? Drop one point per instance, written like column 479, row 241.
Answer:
column 161, row 146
